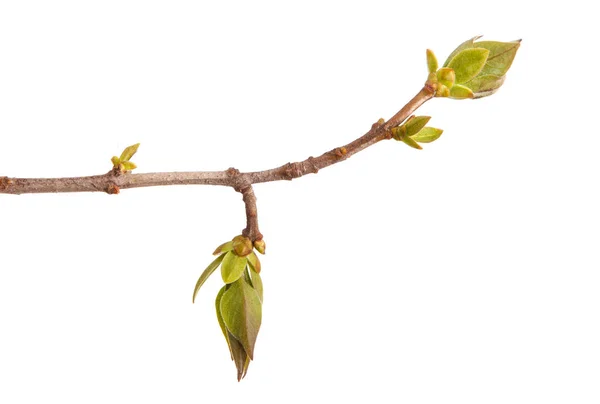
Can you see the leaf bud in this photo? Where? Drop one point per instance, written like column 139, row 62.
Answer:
column 446, row 76
column 432, row 63
column 242, row 246
column 442, row 91
column 260, row 246
column 483, row 76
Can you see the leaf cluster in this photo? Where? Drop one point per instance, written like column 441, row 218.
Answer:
column 473, row 69
column 123, row 162
column 239, row 302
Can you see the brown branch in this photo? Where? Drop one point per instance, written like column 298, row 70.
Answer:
column 114, row 181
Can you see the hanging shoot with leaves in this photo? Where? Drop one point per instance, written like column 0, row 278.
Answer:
column 475, row 69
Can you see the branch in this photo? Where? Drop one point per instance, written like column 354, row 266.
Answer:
column 115, row 180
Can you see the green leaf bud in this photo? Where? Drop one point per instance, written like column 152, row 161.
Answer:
column 491, row 76
column 446, row 76
column 442, row 91
column 432, row 63
column 116, row 161
column 242, row 245
column 260, row 246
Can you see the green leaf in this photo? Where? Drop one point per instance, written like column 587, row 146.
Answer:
column 459, row 92
column 225, row 247
column 242, row 313
column 129, row 152
column 409, row 141
column 254, row 262
column 432, row 63
column 205, row 275
column 232, row 267
column 468, row 44
column 257, row 284
column 468, row 63
column 128, row 166
column 415, row 124
column 483, row 86
column 501, row 56
column 220, row 318
column 427, row 135
column 236, row 350
column 116, row 161
column 239, row 356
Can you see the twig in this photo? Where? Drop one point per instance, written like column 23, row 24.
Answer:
column 114, row 181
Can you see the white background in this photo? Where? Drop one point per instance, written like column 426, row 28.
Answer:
column 464, row 273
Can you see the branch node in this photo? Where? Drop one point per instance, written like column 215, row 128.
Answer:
column 5, row 182
column 313, row 165
column 232, row 172
column 112, row 189
column 292, row 170
column 377, row 124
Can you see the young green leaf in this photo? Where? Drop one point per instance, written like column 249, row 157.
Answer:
column 239, row 356
column 236, row 350
column 468, row 63
column 254, row 262
column 427, row 135
column 432, row 63
column 501, row 56
column 487, row 84
column 128, row 166
column 206, row 273
column 257, row 284
column 469, row 43
column 409, row 141
column 129, row 152
column 232, row 267
column 459, row 92
column 116, row 161
column 220, row 318
column 415, row 124
column 225, row 247
column 242, row 313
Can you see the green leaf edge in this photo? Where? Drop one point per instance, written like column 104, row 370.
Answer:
column 206, row 274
